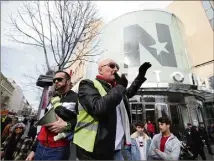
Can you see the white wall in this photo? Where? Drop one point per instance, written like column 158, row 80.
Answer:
column 151, row 36
column 17, row 98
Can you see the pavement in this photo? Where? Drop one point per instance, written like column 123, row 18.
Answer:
column 73, row 153
column 208, row 156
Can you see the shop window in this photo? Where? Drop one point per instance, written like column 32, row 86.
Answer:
column 161, row 110
column 154, row 98
column 206, row 5
column 211, row 79
column 184, row 113
column 209, row 110
column 209, row 9
column 199, row 110
column 194, row 116
column 137, row 112
column 174, row 114
column 150, row 113
column 212, row 23
column 177, row 126
column 148, row 98
column 210, row 13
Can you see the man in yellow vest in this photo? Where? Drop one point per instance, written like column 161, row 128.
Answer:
column 103, row 126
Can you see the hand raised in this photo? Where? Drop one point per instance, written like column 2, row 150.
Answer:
column 143, row 68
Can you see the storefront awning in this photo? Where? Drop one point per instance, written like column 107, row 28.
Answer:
column 205, row 94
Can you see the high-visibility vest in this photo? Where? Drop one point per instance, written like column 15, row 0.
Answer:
column 87, row 125
column 3, row 119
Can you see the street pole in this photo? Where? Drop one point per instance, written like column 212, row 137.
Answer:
column 44, row 81
column 42, row 101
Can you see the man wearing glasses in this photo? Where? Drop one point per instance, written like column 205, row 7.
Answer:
column 64, row 103
column 104, row 116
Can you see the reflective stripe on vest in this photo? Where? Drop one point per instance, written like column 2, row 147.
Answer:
column 85, row 137
column 57, row 105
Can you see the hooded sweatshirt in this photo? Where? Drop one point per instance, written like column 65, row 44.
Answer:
column 171, row 150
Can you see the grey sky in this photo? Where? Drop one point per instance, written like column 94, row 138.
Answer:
column 17, row 59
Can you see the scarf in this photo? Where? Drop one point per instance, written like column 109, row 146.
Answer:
column 112, row 83
column 125, row 122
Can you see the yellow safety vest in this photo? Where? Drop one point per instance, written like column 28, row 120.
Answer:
column 85, row 137
column 3, row 119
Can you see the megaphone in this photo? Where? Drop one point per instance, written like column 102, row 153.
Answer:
column 49, row 117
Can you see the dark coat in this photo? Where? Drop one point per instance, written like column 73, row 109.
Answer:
column 104, row 110
column 188, row 136
column 196, row 138
column 64, row 113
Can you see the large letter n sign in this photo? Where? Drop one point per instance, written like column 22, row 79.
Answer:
column 162, row 50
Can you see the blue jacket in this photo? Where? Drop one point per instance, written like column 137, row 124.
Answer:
column 132, row 151
column 171, row 151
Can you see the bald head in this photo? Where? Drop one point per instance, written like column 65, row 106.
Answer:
column 107, row 68
column 104, row 62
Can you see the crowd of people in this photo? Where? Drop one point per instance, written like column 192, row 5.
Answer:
column 196, row 138
column 17, row 137
column 97, row 121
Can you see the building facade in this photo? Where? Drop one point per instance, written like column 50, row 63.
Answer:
column 12, row 97
column 83, row 60
column 171, row 88
column 17, row 98
column 6, row 92
column 26, row 110
column 77, row 73
column 198, row 19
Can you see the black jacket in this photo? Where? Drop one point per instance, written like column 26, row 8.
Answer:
column 196, row 138
column 64, row 111
column 104, row 110
column 188, row 136
column 69, row 109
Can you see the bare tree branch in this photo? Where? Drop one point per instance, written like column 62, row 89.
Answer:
column 51, row 39
column 43, row 37
column 30, row 83
column 67, row 28
column 22, row 42
column 24, row 33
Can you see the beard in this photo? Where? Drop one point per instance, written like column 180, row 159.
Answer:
column 60, row 89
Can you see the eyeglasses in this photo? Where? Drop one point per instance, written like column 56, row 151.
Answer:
column 20, row 128
column 112, row 65
column 57, row 79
